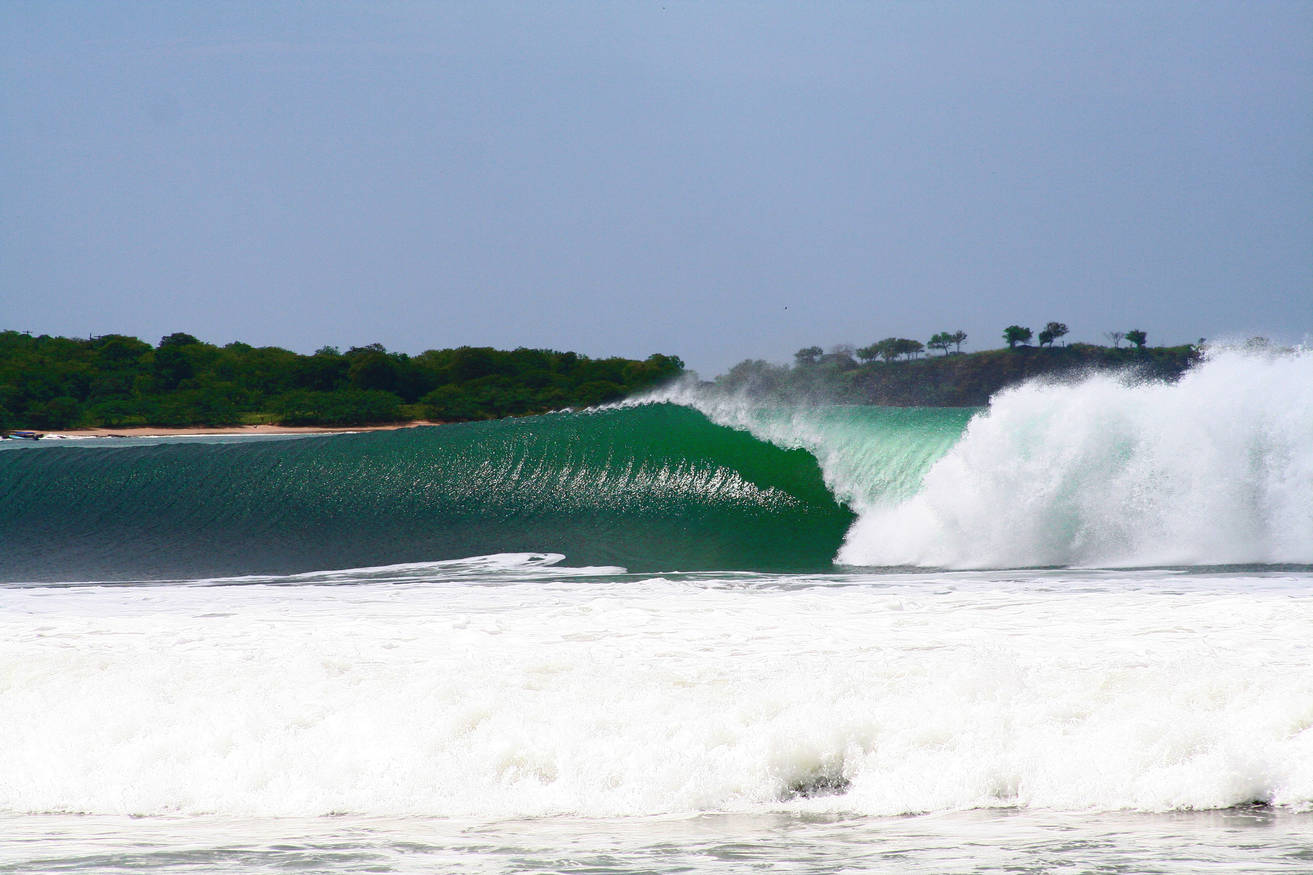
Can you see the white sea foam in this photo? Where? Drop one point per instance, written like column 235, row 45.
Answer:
column 1214, row 469
column 1108, row 470
column 601, row 696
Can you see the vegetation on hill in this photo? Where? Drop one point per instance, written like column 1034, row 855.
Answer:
column 893, row 372
column 116, row 381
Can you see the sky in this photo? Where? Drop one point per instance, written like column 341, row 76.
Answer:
column 717, row 181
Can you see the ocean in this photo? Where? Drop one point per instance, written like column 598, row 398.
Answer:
column 1070, row 632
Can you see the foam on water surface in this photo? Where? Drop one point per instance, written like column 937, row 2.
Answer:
column 1104, row 470
column 1214, row 469
column 604, row 696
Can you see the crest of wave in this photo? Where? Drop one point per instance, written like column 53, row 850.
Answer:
column 1216, row 468
column 788, row 426
column 866, row 454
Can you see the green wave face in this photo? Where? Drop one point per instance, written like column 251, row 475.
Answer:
column 870, row 456
column 650, row 488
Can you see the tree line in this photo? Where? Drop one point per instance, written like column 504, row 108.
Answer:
column 1017, row 334
column 893, row 371
column 893, row 348
column 119, row 381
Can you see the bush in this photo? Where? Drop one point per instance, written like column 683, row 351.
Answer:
column 450, row 403
column 117, row 413
column 346, row 407
column 597, row 392
column 61, row 412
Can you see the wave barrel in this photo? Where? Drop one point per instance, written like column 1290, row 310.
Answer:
column 657, row 487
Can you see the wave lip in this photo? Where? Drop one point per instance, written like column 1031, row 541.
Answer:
column 868, row 455
column 1215, row 469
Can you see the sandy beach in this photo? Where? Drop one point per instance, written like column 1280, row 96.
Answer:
column 233, row 430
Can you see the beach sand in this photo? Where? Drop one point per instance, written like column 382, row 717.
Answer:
column 235, row 430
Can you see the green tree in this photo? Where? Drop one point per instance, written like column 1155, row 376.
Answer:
column 958, row 337
column 754, row 375
column 908, row 347
column 840, row 353
column 178, row 338
column 942, row 341
column 51, row 382
column 118, row 351
column 346, row 407
column 654, row 369
column 324, row 371
column 808, row 355
column 888, row 349
column 1015, row 334
column 172, row 365
column 61, row 412
column 597, row 392
column 372, row 369
column 117, row 412
column 450, row 403
column 1051, row 332
column 1137, row 337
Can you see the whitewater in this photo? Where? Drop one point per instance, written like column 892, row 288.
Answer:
column 1072, row 631
column 1107, row 470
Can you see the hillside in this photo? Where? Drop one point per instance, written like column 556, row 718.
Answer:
column 952, row 380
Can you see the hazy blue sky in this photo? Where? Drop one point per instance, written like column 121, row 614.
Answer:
column 714, row 180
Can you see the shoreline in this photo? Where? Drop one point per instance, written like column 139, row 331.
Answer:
column 142, row 431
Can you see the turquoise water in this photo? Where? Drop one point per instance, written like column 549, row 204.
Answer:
column 654, row 487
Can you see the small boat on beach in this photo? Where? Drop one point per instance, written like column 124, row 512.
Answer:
column 24, row 435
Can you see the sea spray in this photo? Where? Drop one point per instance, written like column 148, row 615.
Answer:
column 1216, row 468
column 1107, row 469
